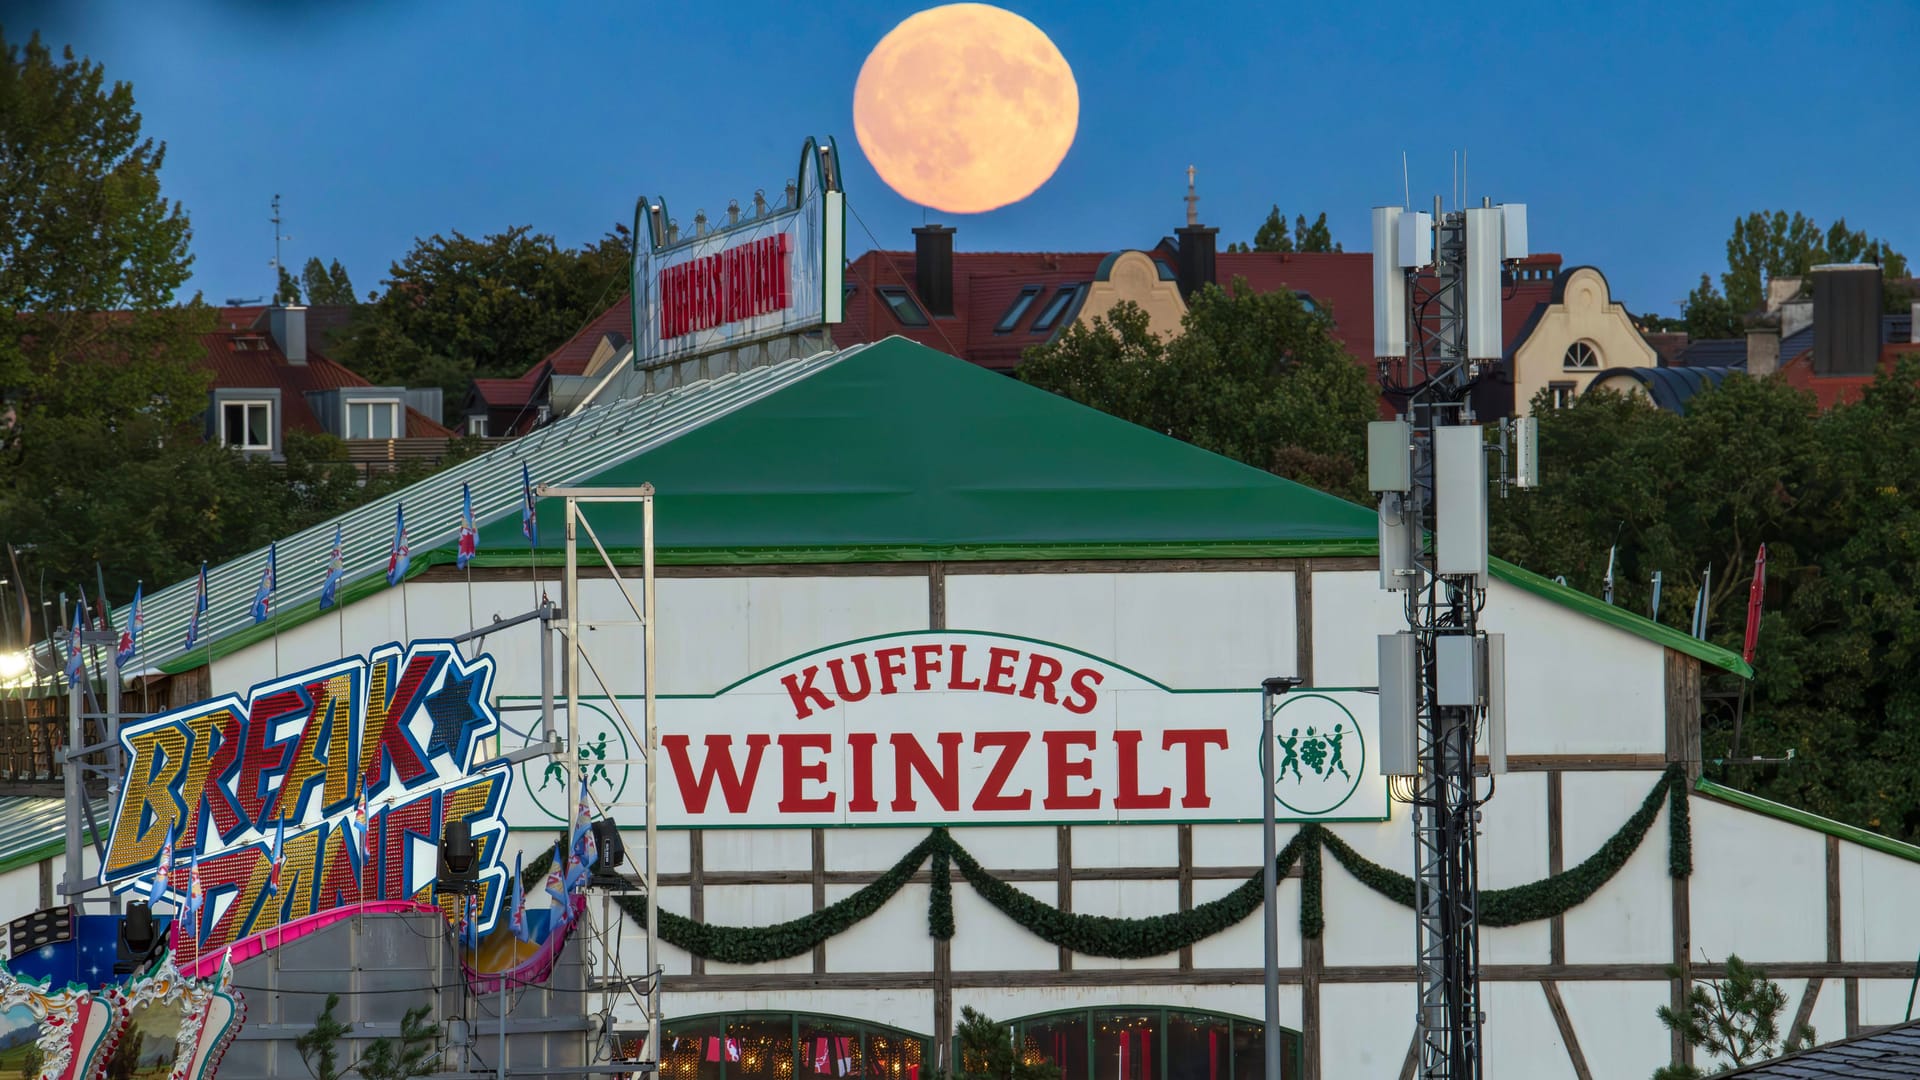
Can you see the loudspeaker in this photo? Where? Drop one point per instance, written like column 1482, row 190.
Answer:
column 606, row 840
column 40, row 929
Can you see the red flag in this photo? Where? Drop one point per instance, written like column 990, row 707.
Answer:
column 1755, row 595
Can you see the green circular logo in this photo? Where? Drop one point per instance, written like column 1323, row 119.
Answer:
column 603, row 754
column 1321, row 754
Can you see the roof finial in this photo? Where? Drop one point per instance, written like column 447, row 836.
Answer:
column 1193, row 201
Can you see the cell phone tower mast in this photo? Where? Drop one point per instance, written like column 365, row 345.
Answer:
column 1437, row 333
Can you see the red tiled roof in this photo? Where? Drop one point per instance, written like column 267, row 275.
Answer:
column 246, row 359
column 510, row 393
column 1831, row 390
column 985, row 284
column 572, row 356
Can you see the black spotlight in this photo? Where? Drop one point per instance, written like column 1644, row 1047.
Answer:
column 40, row 929
column 457, row 858
column 140, row 939
column 606, row 842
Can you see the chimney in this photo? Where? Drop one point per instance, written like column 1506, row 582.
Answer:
column 1780, row 291
column 1197, row 246
column 288, row 325
column 1763, row 348
column 1846, row 319
column 933, row 268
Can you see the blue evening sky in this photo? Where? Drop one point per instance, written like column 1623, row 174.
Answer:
column 1636, row 131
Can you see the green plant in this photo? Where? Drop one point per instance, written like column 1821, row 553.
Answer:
column 318, row 1046
column 383, row 1059
column 987, row 1052
column 1735, row 1018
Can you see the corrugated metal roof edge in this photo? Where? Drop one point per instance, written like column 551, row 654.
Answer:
column 1794, row 815
column 1632, row 622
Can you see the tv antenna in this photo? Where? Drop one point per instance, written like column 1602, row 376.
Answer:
column 277, row 237
column 1437, row 330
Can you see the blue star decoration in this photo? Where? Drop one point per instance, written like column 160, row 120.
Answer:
column 458, row 715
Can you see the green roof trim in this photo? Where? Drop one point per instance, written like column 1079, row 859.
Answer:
column 1886, row 845
column 1630, row 621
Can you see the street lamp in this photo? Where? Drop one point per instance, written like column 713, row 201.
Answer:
column 1270, row 690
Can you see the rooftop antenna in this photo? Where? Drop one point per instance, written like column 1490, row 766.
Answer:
column 1456, row 179
column 277, row 237
column 1406, row 185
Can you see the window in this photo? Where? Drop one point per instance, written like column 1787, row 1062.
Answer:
column 1015, row 310
column 904, row 309
column 1151, row 1043
column 1581, row 354
column 1055, row 308
column 1560, row 394
column 373, row 419
column 246, row 425
column 789, row 1046
column 477, row 425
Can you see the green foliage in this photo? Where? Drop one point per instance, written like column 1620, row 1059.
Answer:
column 1272, row 235
column 1765, row 246
column 1256, row 377
column 988, row 1052
column 327, row 284
column 458, row 308
column 383, row 1059
column 1156, row 935
column 124, row 1062
column 1735, row 1018
column 32, row 1060
column 1707, row 314
column 288, row 291
column 319, row 1046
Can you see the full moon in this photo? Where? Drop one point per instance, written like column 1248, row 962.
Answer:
column 965, row 108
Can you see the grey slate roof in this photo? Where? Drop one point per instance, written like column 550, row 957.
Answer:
column 1717, row 352
column 1671, row 388
column 566, row 452
column 1889, row 1053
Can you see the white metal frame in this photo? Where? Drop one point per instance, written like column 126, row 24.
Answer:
column 577, row 658
column 246, row 403
column 395, row 425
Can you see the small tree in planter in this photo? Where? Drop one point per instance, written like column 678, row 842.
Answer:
column 1736, row 1018
column 987, row 1052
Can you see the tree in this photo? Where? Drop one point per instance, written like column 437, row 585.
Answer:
column 1707, row 314
column 987, row 1052
column 1272, row 235
column 456, row 308
column 1256, row 377
column 1735, row 1018
column 32, row 1060
column 383, row 1059
column 288, row 291
column 327, row 284
column 1769, row 245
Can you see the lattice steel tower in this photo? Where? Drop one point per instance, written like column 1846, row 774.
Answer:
column 1437, row 284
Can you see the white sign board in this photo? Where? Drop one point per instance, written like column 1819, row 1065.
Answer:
column 765, row 276
column 968, row 728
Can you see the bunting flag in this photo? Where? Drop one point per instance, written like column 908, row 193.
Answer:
column 130, row 637
column 76, row 660
column 469, row 529
column 336, row 569
column 1656, row 597
column 1756, row 596
column 106, row 609
column 20, row 591
column 161, row 872
column 557, row 880
column 357, row 827
column 199, row 607
column 263, row 595
column 529, row 521
column 518, row 919
column 585, row 852
column 1700, row 604
column 278, row 857
column 190, row 911
column 401, row 555
column 1611, row 552
column 469, row 930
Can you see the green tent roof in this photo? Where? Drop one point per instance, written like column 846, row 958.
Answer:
column 896, row 452
column 902, row 452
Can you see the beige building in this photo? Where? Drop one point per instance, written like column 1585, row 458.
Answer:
column 1579, row 334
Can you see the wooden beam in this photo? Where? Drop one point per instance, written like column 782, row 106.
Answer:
column 1682, row 959
column 1567, row 1036
column 598, row 570
column 1119, row 566
column 1303, row 622
column 1582, row 762
column 819, row 891
column 1063, row 883
column 1834, row 910
column 696, row 886
column 1186, row 888
column 868, row 877
column 937, row 596
column 1556, row 859
column 1803, row 1015
column 1412, row 1063
column 1313, row 959
column 1853, row 1006
column 1683, row 710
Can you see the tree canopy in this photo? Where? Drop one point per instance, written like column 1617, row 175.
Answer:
column 1771, row 245
column 1272, row 235
column 459, row 307
column 1256, row 377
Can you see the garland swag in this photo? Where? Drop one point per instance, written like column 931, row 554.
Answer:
column 1100, row 935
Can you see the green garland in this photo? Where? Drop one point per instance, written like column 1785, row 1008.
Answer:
column 1554, row 895
column 1100, row 935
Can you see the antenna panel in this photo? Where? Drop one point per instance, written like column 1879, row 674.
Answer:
column 1389, row 285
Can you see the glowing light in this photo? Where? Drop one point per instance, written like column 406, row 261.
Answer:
column 13, row 665
column 965, row 108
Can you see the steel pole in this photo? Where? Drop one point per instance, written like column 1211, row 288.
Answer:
column 652, row 1055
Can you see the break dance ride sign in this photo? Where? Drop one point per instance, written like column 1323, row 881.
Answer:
column 313, row 791
column 957, row 727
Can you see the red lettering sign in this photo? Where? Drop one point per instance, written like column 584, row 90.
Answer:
column 738, row 283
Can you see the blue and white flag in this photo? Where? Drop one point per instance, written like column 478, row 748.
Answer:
column 401, row 555
column 161, row 872
column 199, row 608
column 76, row 662
column 130, row 637
column 336, row 569
column 529, row 521
column 469, row 529
column 263, row 596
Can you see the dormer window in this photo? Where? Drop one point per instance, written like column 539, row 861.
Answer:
column 1017, row 310
column 904, row 309
column 373, row 419
column 1056, row 307
column 246, row 425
